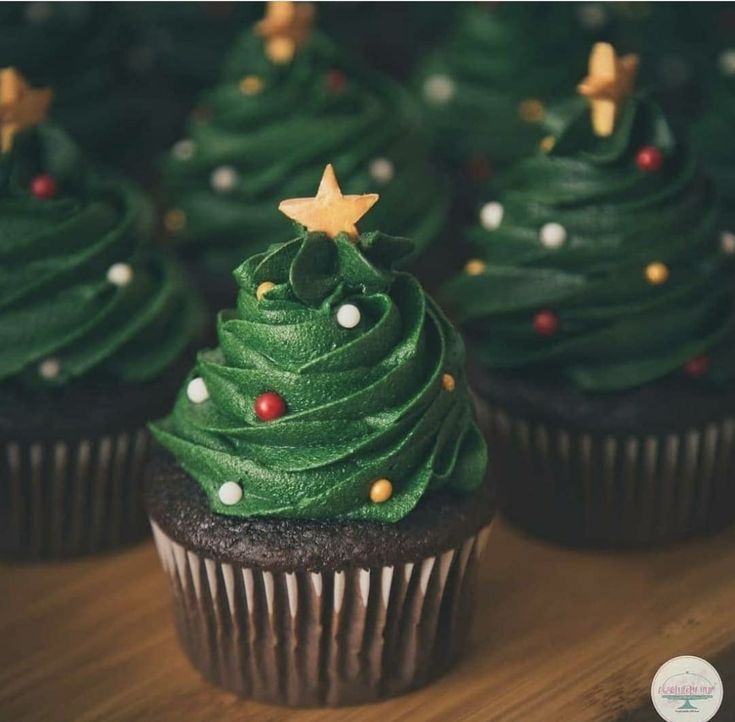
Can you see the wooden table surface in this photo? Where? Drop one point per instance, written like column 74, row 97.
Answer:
column 559, row 636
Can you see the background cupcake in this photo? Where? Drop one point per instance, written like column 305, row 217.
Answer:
column 93, row 326
column 600, row 309
column 329, row 479
column 288, row 102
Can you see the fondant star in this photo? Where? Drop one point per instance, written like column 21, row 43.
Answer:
column 329, row 211
column 285, row 28
column 610, row 81
column 20, row 105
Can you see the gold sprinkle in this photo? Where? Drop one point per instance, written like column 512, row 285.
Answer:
column 657, row 273
column 280, row 50
column 264, row 287
column 547, row 143
column 448, row 382
column 475, row 267
column 531, row 110
column 251, row 85
column 175, row 220
column 380, row 491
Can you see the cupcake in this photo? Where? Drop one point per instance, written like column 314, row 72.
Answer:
column 81, row 50
column 288, row 102
column 322, row 501
column 486, row 89
column 600, row 314
column 94, row 325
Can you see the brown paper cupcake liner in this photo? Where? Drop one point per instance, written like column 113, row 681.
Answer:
column 613, row 489
column 67, row 498
column 321, row 639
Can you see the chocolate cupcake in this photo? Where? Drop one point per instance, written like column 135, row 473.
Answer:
column 324, row 502
column 290, row 101
column 94, row 325
column 601, row 315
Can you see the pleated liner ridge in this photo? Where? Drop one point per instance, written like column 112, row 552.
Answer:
column 612, row 489
column 70, row 498
column 321, row 639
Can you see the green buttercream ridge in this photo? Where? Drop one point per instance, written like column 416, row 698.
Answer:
column 279, row 140
column 55, row 299
column 363, row 403
column 617, row 330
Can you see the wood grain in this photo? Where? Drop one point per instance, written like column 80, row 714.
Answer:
column 559, row 634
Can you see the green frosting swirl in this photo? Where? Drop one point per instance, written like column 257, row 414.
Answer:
column 616, row 330
column 55, row 297
column 495, row 59
column 363, row 403
column 277, row 141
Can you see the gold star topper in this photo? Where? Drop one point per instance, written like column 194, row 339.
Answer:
column 20, row 106
column 285, row 28
column 610, row 81
column 329, row 211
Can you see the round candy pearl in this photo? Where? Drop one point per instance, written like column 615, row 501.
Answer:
column 381, row 170
column 380, row 491
column 727, row 242
column 726, row 61
column 263, row 288
column 120, row 274
column 197, row 391
column 230, row 493
column 439, row 89
column 174, row 220
column 251, row 85
column 224, row 178
column 448, row 382
column 49, row 368
column 545, row 323
column 43, row 187
column 475, row 267
column 184, row 149
column 491, row 216
column 698, row 366
column 348, row 315
column 269, row 406
column 553, row 235
column 657, row 273
column 649, row 159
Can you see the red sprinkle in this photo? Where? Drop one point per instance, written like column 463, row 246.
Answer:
column 546, row 323
column 44, row 187
column 479, row 168
column 269, row 406
column 698, row 366
column 649, row 159
column 336, row 81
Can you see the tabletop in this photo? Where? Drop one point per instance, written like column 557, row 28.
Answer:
column 558, row 635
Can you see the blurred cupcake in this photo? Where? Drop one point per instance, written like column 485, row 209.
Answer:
column 601, row 315
column 325, row 493
column 93, row 329
column 289, row 102
column 485, row 90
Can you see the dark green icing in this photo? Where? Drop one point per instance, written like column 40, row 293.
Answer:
column 55, row 298
column 278, row 142
column 362, row 403
column 616, row 329
column 496, row 57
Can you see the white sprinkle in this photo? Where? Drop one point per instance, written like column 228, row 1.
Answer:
column 230, row 493
column 49, row 368
column 592, row 16
column 727, row 242
column 348, row 315
column 120, row 274
column 38, row 12
column 184, row 149
column 197, row 390
column 491, row 215
column 381, row 170
column 439, row 89
column 224, row 178
column 726, row 61
column 553, row 235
